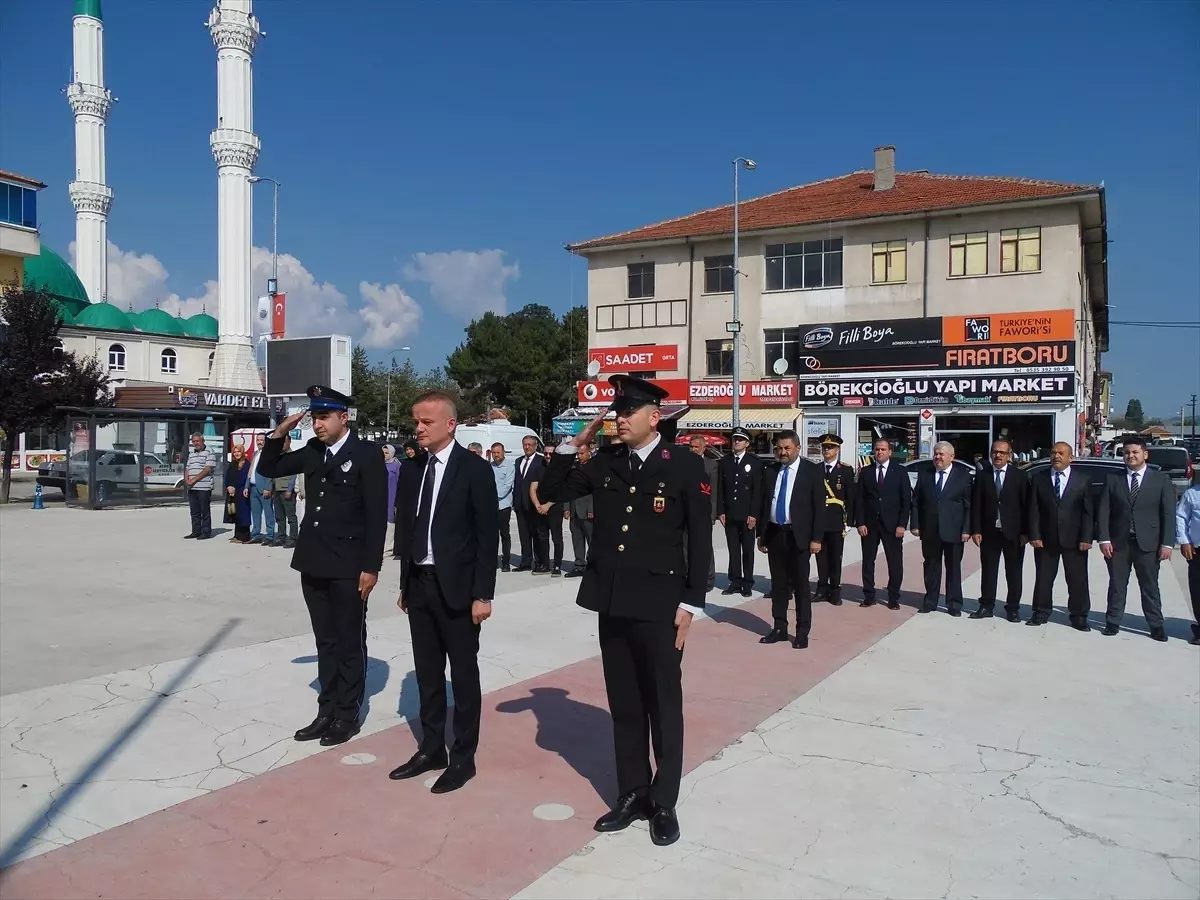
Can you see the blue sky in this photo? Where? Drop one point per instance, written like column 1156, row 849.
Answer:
column 400, row 129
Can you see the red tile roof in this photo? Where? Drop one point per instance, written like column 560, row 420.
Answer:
column 20, row 179
column 846, row 197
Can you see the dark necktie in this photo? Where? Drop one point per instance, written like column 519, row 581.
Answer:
column 829, row 470
column 940, row 480
column 635, row 464
column 879, row 472
column 328, row 454
column 999, row 481
column 420, row 538
column 1058, row 485
column 1134, row 488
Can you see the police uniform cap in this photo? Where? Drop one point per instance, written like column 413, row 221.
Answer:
column 739, row 435
column 830, row 440
column 326, row 399
column 632, row 393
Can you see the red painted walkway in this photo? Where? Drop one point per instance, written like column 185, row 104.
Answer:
column 319, row 828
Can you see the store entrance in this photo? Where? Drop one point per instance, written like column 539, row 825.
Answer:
column 1031, row 436
column 970, row 435
column 899, row 431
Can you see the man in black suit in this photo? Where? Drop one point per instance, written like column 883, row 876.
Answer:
column 1137, row 516
column 739, row 498
column 646, row 577
column 999, row 521
column 883, row 503
column 1061, row 525
column 533, row 528
column 789, row 532
column 339, row 551
column 837, row 514
column 941, row 518
column 698, row 445
column 447, row 535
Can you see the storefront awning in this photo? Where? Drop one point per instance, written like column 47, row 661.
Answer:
column 756, row 419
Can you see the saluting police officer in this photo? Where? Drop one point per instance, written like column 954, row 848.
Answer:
column 839, row 509
column 646, row 576
column 339, row 551
column 739, row 499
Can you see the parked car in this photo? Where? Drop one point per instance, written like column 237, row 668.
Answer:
column 916, row 466
column 116, row 470
column 1176, row 462
column 1095, row 469
column 498, row 431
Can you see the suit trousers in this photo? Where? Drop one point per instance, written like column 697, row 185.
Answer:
column 992, row 548
column 581, row 539
column 740, row 538
column 789, row 570
column 505, row 536
column 936, row 552
column 339, row 623
column 893, row 551
column 1193, row 567
column 533, row 530
column 200, row 507
column 554, row 530
column 261, row 507
column 1074, row 563
column 644, row 680
column 440, row 633
column 829, row 563
column 1145, row 564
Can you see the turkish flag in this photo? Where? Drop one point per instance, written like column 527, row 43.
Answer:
column 278, row 314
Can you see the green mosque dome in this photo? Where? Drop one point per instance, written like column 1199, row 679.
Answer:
column 157, row 321
column 201, row 325
column 50, row 271
column 104, row 315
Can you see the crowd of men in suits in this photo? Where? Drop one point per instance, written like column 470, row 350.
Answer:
column 794, row 509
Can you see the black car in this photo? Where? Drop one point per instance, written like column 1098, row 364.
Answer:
column 1176, row 462
column 1095, row 468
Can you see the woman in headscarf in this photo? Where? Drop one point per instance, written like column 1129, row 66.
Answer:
column 393, row 473
column 237, row 499
column 411, row 448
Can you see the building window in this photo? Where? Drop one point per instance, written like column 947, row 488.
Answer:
column 889, row 262
column 804, row 264
column 968, row 254
column 718, row 358
column 116, row 357
column 169, row 361
column 654, row 314
column 18, row 205
column 641, row 280
column 718, row 274
column 1021, row 249
column 782, row 343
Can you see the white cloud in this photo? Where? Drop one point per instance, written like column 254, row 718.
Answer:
column 464, row 282
column 384, row 316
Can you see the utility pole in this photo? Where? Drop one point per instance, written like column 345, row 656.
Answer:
column 1193, row 417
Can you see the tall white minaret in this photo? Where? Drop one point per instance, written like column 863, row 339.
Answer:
column 235, row 147
column 91, row 102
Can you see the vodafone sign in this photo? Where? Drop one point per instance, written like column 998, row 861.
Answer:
column 601, row 393
column 636, row 359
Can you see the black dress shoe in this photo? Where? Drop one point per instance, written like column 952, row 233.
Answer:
column 800, row 643
column 982, row 613
column 954, row 612
column 340, row 731
column 664, row 827
column 420, row 763
column 774, row 636
column 630, row 808
column 747, row 592
column 575, row 573
column 188, row 537
column 893, row 604
column 924, row 609
column 1195, row 641
column 821, row 593
column 506, row 568
column 1080, row 624
column 730, row 590
column 835, row 600
column 1013, row 616
column 556, row 572
column 1035, row 621
column 867, row 603
column 522, row 568
column 1110, row 630
column 207, row 536
column 541, row 570
column 316, row 729
column 453, row 778
column 1158, row 634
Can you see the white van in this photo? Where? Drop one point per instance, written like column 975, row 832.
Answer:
column 499, row 430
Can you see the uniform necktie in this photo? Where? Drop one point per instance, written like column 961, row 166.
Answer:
column 829, row 470
column 1133, row 489
column 635, row 464
column 940, row 480
column 1058, row 485
column 420, row 539
column 328, row 454
column 781, row 500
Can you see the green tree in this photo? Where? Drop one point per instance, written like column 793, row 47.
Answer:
column 37, row 378
column 1134, row 417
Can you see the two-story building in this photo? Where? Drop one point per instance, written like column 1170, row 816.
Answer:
column 910, row 305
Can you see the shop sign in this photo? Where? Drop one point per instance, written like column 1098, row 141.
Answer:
column 186, row 398
column 636, row 359
column 601, row 393
column 569, row 427
column 948, row 389
column 750, row 393
column 1043, row 341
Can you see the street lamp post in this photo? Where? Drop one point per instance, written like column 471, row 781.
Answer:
column 391, row 368
column 273, row 287
column 735, row 327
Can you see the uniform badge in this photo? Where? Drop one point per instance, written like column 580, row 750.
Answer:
column 660, row 504
column 747, row 467
column 346, row 465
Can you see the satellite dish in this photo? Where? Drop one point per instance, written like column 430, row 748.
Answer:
column 593, row 368
column 781, row 366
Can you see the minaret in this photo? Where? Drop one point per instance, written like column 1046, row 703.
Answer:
column 91, row 102
column 235, row 147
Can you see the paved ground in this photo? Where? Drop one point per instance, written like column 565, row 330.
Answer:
column 150, row 688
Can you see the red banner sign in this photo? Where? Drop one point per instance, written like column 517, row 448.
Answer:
column 278, row 314
column 601, row 393
column 636, row 359
column 751, row 393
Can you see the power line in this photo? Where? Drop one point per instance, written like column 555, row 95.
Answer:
column 1157, row 324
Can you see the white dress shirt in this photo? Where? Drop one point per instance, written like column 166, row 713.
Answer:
column 881, row 472
column 439, row 471
column 1140, row 473
column 1063, row 478
column 792, row 468
column 333, row 450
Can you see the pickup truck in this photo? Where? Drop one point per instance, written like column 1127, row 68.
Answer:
column 116, row 470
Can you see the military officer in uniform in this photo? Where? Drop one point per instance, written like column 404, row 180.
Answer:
column 739, row 499
column 839, row 510
column 339, row 551
column 646, row 576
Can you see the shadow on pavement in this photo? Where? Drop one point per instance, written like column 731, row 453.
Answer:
column 578, row 732
column 378, row 672
column 96, row 765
